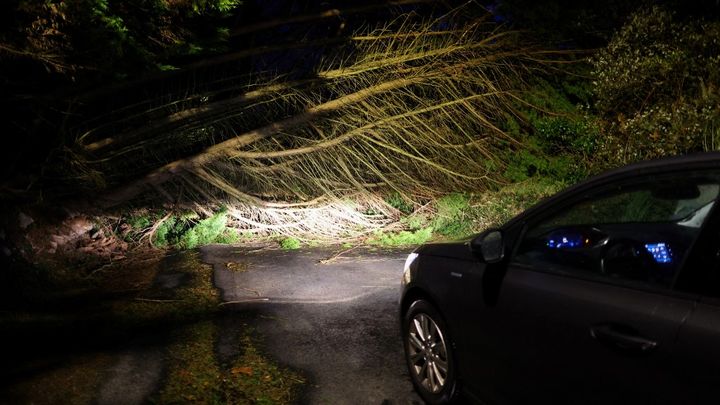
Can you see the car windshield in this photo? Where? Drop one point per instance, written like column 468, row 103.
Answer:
column 695, row 218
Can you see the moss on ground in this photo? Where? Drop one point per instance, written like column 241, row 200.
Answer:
column 185, row 315
column 289, row 243
column 402, row 238
column 195, row 376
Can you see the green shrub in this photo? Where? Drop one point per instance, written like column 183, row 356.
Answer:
column 189, row 239
column 493, row 209
column 451, row 219
column 229, row 236
column 402, row 238
column 685, row 126
column 210, row 229
column 162, row 232
column 171, row 231
column 657, row 84
column 546, row 96
column 559, row 136
column 397, row 201
column 565, row 134
column 222, row 7
column 139, row 222
column 415, row 221
column 290, row 243
column 186, row 232
column 526, row 164
column 655, row 58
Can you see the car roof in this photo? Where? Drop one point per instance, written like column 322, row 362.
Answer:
column 691, row 161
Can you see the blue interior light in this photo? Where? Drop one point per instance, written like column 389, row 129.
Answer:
column 560, row 241
column 660, row 252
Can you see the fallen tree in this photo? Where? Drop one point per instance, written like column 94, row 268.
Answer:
column 414, row 108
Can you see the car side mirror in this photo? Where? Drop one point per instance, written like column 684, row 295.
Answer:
column 488, row 246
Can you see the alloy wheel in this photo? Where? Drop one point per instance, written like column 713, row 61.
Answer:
column 427, row 353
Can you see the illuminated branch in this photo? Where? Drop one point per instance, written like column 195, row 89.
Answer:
column 417, row 114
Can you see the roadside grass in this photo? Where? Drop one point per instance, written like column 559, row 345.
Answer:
column 402, row 238
column 289, row 243
column 495, row 208
column 195, row 376
column 459, row 215
column 452, row 219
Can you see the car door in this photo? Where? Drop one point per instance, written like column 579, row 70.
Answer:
column 698, row 353
column 698, row 343
column 586, row 311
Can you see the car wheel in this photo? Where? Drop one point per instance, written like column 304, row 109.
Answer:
column 428, row 354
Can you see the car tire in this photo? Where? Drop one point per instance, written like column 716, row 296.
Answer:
column 429, row 355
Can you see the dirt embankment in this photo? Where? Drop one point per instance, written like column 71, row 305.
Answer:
column 52, row 248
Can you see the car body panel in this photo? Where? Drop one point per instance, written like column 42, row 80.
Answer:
column 543, row 323
column 698, row 353
column 524, row 335
column 458, row 250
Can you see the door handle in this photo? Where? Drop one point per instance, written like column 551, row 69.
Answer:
column 622, row 338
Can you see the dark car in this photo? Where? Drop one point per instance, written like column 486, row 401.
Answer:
column 608, row 292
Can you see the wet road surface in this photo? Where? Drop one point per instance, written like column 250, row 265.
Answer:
column 334, row 320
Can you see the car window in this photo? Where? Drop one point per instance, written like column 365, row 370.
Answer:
column 638, row 231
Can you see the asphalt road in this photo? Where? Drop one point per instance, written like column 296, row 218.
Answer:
column 336, row 322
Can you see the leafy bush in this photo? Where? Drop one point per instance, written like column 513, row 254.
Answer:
column 402, row 238
column 189, row 239
column 495, row 208
column 566, row 134
column 657, row 84
column 199, row 7
column 397, row 201
column 91, row 35
column 139, row 222
column 526, row 164
column 135, row 226
column 186, row 232
column 655, row 59
column 168, row 232
column 451, row 219
column 206, row 231
column 560, row 135
column 290, row 243
column 228, row 236
column 415, row 221
column 663, row 130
